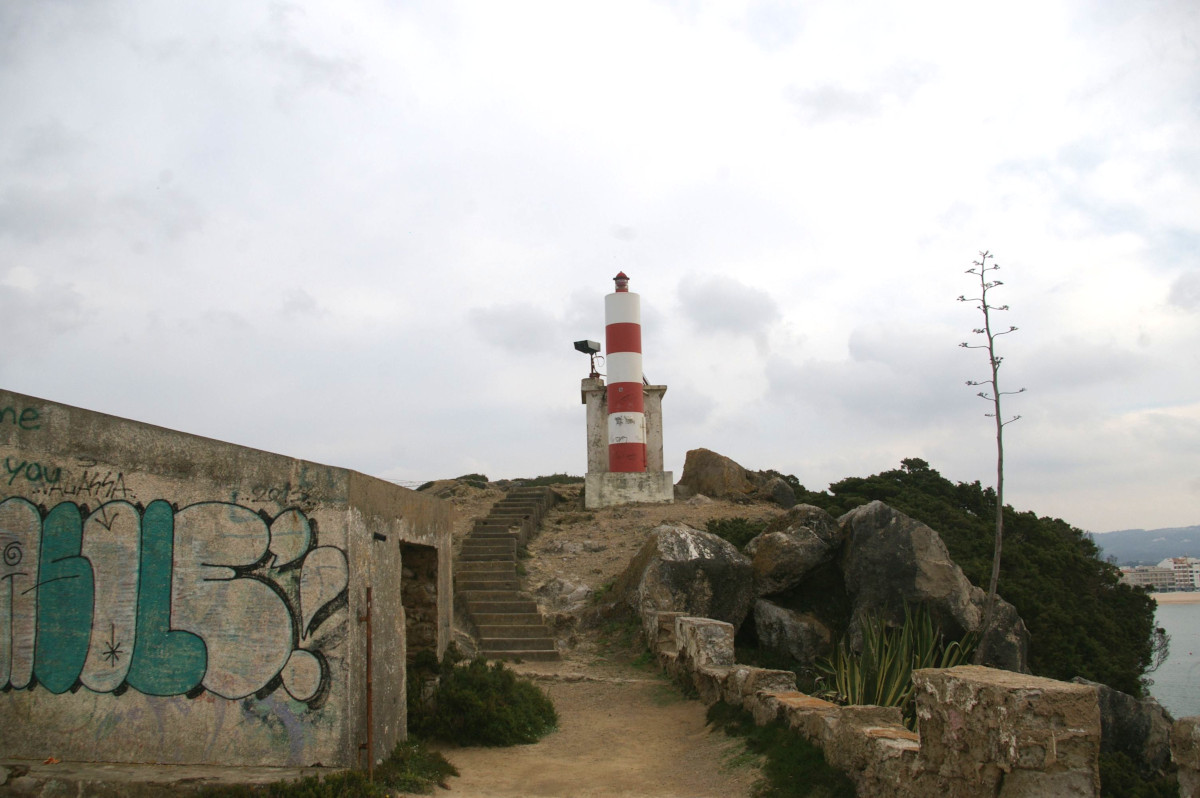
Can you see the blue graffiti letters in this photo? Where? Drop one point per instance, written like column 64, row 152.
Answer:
column 212, row 597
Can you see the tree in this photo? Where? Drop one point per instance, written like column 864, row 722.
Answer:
column 981, row 269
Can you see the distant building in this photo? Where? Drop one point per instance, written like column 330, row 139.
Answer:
column 1155, row 577
column 1173, row 573
column 1187, row 571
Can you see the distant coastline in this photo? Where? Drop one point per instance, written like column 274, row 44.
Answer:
column 1177, row 598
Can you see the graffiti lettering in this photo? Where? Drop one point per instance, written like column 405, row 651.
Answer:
column 285, row 495
column 33, row 472
column 109, row 486
column 28, row 419
column 167, row 602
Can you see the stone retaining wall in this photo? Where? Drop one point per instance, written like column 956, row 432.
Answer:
column 981, row 732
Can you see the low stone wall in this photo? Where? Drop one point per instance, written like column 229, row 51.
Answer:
column 981, row 732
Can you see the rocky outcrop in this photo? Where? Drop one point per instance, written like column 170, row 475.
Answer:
column 779, row 491
column 680, row 569
column 1140, row 729
column 800, row 635
column 714, row 475
column 1185, row 750
column 791, row 547
column 707, row 473
column 890, row 559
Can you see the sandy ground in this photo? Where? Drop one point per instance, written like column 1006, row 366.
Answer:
column 622, row 732
column 1177, row 598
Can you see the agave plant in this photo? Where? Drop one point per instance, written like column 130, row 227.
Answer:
column 881, row 673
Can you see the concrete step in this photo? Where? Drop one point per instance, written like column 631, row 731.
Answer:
column 466, row 585
column 487, row 557
column 488, row 532
column 477, row 608
column 492, row 595
column 487, row 619
column 516, row 644
column 506, row 548
column 525, row 631
column 505, row 543
column 524, row 656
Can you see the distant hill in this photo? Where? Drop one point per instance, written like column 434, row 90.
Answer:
column 1149, row 546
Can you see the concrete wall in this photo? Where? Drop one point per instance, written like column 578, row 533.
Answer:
column 170, row 598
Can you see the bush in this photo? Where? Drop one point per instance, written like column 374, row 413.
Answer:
column 1119, row 778
column 738, row 531
column 481, row 704
column 794, row 767
column 552, row 479
column 1082, row 621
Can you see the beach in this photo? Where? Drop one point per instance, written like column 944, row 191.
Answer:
column 1177, row 598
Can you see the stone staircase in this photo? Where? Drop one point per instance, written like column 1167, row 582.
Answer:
column 487, row 585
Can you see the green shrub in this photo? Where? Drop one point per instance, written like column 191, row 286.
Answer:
column 881, row 673
column 793, row 767
column 1082, row 621
column 481, row 704
column 1120, row 778
column 552, row 479
column 738, row 531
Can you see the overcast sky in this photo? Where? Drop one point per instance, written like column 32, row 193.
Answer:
column 367, row 233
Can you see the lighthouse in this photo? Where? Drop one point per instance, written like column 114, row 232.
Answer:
column 624, row 417
column 626, row 402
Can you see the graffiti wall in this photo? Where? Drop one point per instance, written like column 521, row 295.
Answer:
column 170, row 598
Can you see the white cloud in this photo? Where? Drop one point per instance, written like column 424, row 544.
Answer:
column 368, row 233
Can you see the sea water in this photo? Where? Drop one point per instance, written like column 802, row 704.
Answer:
column 1177, row 681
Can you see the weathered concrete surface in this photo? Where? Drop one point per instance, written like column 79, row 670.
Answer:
column 176, row 599
column 611, row 488
column 992, row 732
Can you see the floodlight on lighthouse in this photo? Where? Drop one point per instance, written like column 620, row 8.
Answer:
column 590, row 348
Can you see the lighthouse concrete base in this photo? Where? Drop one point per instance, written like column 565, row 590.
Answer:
column 610, row 488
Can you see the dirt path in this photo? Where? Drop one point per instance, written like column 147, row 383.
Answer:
column 622, row 732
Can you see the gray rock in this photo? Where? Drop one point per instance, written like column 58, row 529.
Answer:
column 799, row 635
column 890, row 559
column 681, row 569
column 791, row 547
column 714, row 475
column 779, row 492
column 1140, row 729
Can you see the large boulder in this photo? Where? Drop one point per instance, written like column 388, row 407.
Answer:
column 711, row 474
column 791, row 547
column 889, row 559
column 800, row 635
column 776, row 489
column 681, row 569
column 1140, row 729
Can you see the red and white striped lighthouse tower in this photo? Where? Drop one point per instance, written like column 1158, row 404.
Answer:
column 626, row 409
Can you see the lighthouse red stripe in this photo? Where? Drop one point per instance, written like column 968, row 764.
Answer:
column 627, row 457
column 623, row 337
column 625, row 397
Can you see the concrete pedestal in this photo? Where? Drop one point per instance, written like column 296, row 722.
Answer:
column 608, row 488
